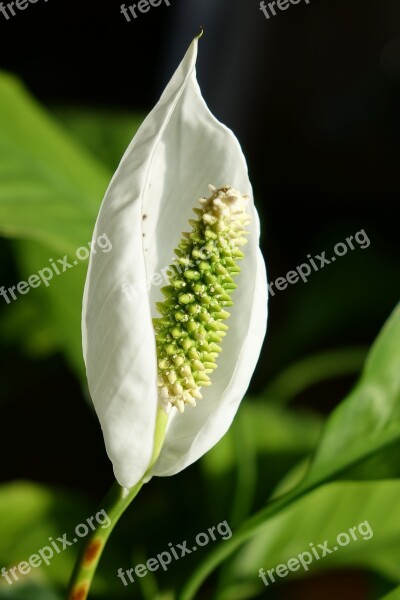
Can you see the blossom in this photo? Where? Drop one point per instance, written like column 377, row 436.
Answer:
column 201, row 284
column 176, row 351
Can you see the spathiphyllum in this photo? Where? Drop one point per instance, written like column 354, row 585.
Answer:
column 175, row 316
column 191, row 328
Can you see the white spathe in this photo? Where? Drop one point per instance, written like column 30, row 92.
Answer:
column 179, row 149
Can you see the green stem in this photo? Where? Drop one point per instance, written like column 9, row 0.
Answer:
column 114, row 504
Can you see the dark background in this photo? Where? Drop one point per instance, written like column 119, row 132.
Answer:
column 313, row 96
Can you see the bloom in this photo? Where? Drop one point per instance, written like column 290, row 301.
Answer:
column 142, row 350
column 201, row 283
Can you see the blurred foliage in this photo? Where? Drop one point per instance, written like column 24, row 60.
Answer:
column 327, row 512
column 50, row 193
column 104, row 133
column 323, row 477
column 32, row 516
column 394, row 594
column 31, row 591
column 263, row 438
column 365, row 425
column 292, row 381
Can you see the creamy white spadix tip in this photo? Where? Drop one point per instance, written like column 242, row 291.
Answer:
column 225, row 207
column 200, row 287
column 133, row 369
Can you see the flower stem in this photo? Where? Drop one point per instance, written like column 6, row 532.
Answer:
column 114, row 504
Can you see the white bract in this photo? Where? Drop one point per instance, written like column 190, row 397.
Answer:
column 179, row 149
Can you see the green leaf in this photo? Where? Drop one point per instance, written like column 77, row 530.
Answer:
column 29, row 515
column 50, row 191
column 368, row 421
column 323, row 515
column 31, row 591
column 50, row 187
column 33, row 517
column 26, row 324
column 364, row 427
column 60, row 302
column 393, row 595
column 104, row 133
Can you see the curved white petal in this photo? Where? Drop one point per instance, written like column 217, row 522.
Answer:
column 118, row 342
column 177, row 152
column 117, row 331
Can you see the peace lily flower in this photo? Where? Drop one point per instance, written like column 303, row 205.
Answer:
column 135, row 365
column 167, row 368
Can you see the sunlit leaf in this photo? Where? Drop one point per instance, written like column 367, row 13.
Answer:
column 323, row 515
column 363, row 427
